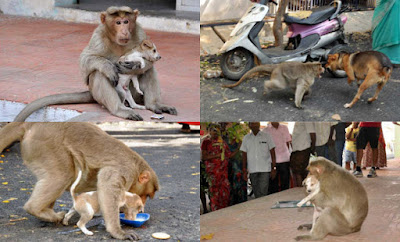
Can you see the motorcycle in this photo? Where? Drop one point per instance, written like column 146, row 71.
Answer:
column 310, row 39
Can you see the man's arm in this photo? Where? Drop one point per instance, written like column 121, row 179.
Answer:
column 273, row 163
column 244, row 165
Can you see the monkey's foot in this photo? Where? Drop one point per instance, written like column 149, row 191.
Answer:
column 131, row 236
column 170, row 110
column 135, row 117
column 347, row 105
column 305, row 226
column 302, row 237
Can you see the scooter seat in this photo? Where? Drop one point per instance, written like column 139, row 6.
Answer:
column 317, row 16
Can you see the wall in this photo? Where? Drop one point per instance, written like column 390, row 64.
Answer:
column 212, row 10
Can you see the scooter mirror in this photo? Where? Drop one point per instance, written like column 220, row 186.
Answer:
column 272, row 1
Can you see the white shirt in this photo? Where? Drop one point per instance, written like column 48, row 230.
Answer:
column 301, row 135
column 322, row 132
column 258, row 149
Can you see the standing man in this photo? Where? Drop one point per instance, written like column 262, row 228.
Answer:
column 325, row 143
column 369, row 132
column 303, row 142
column 282, row 139
column 258, row 151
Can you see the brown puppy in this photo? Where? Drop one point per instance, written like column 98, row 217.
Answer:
column 341, row 202
column 371, row 66
column 87, row 205
column 55, row 151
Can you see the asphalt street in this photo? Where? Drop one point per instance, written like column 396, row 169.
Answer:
column 329, row 94
column 174, row 210
column 246, row 102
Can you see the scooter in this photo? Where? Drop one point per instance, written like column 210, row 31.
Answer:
column 310, row 39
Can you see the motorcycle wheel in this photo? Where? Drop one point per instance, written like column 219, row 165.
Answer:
column 339, row 49
column 235, row 63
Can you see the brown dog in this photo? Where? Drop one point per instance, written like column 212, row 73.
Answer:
column 370, row 66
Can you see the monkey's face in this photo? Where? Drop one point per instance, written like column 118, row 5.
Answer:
column 311, row 183
column 333, row 62
column 146, row 187
column 120, row 24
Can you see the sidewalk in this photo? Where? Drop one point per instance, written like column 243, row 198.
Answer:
column 40, row 57
column 256, row 221
column 210, row 43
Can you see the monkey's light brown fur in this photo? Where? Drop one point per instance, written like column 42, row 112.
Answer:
column 342, row 197
column 55, row 151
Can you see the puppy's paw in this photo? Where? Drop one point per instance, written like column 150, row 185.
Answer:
column 347, row 105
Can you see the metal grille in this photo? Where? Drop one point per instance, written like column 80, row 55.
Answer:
column 298, row 5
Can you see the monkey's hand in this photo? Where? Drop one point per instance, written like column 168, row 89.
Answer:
column 126, row 67
column 111, row 72
column 131, row 236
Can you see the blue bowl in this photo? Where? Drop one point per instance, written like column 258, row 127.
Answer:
column 139, row 221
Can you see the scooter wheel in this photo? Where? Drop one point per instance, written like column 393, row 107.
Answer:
column 339, row 49
column 235, row 63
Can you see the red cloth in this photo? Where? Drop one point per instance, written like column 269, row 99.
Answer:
column 217, row 170
column 370, row 124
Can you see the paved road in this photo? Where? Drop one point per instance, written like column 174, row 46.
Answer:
column 174, row 210
column 328, row 97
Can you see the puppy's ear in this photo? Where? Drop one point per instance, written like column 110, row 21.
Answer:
column 147, row 44
column 144, row 177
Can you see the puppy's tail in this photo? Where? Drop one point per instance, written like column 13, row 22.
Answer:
column 263, row 68
column 11, row 133
column 72, row 190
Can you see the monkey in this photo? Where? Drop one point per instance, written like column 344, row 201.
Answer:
column 296, row 75
column 54, row 152
column 342, row 200
column 87, row 205
column 117, row 34
column 147, row 50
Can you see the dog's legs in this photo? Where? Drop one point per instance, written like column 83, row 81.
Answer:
column 378, row 89
column 68, row 216
column 369, row 81
column 85, row 218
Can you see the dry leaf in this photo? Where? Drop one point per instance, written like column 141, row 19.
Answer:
column 1, row 155
column 195, row 174
column 13, row 198
column 336, row 117
column 207, row 236
column 23, row 189
column 18, row 219
column 62, row 205
column 192, row 192
column 168, row 175
column 5, row 183
column 193, row 167
column 6, row 201
column 193, row 188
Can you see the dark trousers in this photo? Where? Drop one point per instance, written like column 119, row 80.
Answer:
column 282, row 178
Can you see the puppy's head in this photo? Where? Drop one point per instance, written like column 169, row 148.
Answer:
column 310, row 183
column 150, row 50
column 133, row 206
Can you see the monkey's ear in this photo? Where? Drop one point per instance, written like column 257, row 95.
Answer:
column 136, row 12
column 319, row 169
column 103, row 17
column 144, row 177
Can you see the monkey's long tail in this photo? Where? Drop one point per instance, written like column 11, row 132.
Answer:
column 72, row 190
column 263, row 68
column 10, row 133
column 66, row 98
